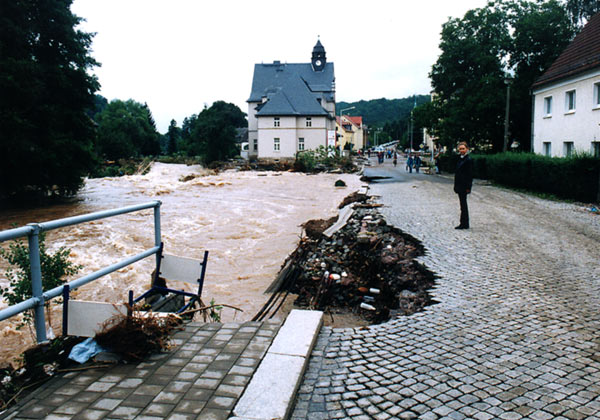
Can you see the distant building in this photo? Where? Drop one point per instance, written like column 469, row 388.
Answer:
column 291, row 107
column 566, row 114
column 350, row 131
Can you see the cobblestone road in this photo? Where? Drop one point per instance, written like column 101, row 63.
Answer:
column 515, row 332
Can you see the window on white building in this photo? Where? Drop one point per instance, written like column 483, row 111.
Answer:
column 300, row 144
column 596, row 148
column 548, row 106
column 568, row 148
column 276, row 122
column 570, row 101
column 597, row 95
column 276, row 144
column 255, row 145
column 308, row 122
column 547, row 148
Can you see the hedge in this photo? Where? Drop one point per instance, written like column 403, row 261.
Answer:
column 576, row 178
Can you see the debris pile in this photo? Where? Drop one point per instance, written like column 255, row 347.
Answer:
column 138, row 335
column 367, row 267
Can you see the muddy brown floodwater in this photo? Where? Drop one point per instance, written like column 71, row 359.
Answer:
column 249, row 221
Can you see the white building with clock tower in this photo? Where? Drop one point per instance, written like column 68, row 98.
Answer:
column 291, row 107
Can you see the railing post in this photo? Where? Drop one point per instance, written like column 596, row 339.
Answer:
column 36, row 282
column 157, row 238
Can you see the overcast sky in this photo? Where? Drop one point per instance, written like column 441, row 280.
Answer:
column 181, row 54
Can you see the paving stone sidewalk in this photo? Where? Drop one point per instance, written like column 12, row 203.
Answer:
column 515, row 334
column 202, row 377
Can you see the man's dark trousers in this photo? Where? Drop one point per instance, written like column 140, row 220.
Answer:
column 464, row 210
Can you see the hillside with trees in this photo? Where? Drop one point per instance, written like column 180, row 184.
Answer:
column 390, row 117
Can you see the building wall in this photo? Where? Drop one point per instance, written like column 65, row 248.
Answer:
column 581, row 126
column 290, row 129
column 252, row 128
column 356, row 136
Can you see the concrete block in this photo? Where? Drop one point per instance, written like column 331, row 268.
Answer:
column 271, row 391
column 298, row 334
column 343, row 216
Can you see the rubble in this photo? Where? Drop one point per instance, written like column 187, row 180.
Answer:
column 367, row 267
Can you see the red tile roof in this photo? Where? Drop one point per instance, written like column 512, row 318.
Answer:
column 356, row 120
column 581, row 55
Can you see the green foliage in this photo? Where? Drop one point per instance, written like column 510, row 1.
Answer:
column 306, row 161
column 55, row 268
column 125, row 130
column 576, row 177
column 122, row 167
column 46, row 87
column 477, row 50
column 211, row 134
column 321, row 158
column 214, row 312
column 173, row 137
column 580, row 11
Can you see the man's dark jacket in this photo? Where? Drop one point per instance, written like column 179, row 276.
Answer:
column 463, row 177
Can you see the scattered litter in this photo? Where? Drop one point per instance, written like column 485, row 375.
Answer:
column 85, row 350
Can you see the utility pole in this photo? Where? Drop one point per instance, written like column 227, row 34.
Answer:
column 412, row 124
column 508, row 81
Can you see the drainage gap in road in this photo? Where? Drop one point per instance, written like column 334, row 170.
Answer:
column 365, row 273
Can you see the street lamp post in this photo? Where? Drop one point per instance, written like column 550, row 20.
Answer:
column 341, row 113
column 507, row 81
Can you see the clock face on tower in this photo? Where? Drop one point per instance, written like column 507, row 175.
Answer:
column 318, row 63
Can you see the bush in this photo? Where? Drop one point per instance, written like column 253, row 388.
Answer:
column 575, row 178
column 305, row 161
column 55, row 267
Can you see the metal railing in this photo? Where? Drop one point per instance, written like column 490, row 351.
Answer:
column 32, row 232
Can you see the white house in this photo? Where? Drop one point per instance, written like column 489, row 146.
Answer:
column 566, row 114
column 291, row 107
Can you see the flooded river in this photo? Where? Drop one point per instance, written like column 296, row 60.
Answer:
column 249, row 222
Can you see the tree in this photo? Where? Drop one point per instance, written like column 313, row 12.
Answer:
column 173, row 137
column 478, row 51
column 211, row 134
column 580, row 11
column 467, row 77
column 46, row 137
column 125, row 130
column 532, row 51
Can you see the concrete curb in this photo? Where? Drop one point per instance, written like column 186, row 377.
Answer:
column 271, row 391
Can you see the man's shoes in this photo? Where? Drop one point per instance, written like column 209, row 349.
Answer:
column 461, row 227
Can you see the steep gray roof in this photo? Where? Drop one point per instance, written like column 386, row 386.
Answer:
column 291, row 89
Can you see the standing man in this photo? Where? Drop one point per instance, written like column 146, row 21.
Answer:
column 463, row 181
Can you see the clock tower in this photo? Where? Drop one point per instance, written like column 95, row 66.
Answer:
column 318, row 57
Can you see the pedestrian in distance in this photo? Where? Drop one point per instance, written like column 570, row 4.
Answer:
column 463, row 182
column 417, row 163
column 437, row 163
column 409, row 163
column 395, row 159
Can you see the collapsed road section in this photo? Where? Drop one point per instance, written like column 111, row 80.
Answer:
column 360, row 265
